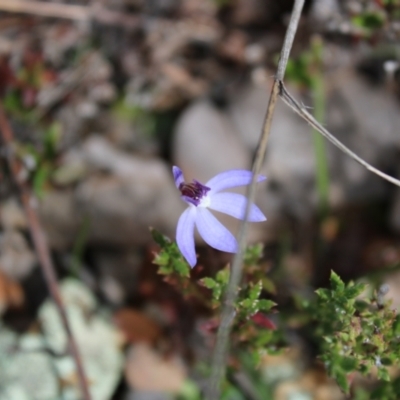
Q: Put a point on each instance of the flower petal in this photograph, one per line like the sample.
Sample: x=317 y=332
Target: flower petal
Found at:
x=213 y=232
x=178 y=176
x=234 y=204
x=230 y=179
x=185 y=235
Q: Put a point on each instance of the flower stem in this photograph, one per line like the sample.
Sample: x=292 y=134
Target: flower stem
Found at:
x=321 y=161
x=40 y=244
x=218 y=367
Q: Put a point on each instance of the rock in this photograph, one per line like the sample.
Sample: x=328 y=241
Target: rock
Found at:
x=161 y=7
x=16 y=258
x=395 y=214
x=373 y=109
x=135 y=195
x=290 y=165
x=118 y=273
x=206 y=143
x=60 y=218
x=247 y=111
x=121 y=205
x=12 y=215
x=97 y=339
x=146 y=370
x=363 y=117
x=255 y=12
x=146 y=395
x=395 y=211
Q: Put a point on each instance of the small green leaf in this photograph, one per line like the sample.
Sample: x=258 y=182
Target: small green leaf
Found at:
x=383 y=374
x=348 y=364
x=336 y=283
x=266 y=305
x=159 y=238
x=209 y=283
x=342 y=381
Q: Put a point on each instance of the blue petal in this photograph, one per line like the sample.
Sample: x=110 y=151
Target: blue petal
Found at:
x=230 y=179
x=178 y=176
x=185 y=235
x=235 y=205
x=213 y=232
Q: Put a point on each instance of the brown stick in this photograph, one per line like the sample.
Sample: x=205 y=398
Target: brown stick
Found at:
x=56 y=10
x=40 y=244
x=68 y=11
x=218 y=368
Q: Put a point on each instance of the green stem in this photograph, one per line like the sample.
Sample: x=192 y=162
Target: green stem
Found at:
x=321 y=161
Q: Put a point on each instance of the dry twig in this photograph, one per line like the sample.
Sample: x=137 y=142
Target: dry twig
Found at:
x=40 y=244
x=68 y=11
x=228 y=311
x=302 y=111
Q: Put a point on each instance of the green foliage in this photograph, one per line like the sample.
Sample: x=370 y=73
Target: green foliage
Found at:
x=386 y=391
x=253 y=254
x=251 y=303
x=39 y=159
x=253 y=331
x=138 y=116
x=355 y=333
x=369 y=20
x=217 y=285
x=169 y=258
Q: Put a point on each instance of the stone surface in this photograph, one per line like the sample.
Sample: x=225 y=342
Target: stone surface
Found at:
x=367 y=127
x=146 y=370
x=247 y=111
x=206 y=143
x=16 y=258
x=123 y=196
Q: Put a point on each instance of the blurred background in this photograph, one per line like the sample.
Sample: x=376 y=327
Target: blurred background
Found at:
x=103 y=97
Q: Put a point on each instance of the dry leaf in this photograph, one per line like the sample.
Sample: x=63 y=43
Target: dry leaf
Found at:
x=146 y=370
x=136 y=327
x=11 y=294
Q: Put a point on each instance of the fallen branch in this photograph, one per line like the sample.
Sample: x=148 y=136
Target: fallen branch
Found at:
x=68 y=11
x=40 y=244
x=228 y=312
x=302 y=111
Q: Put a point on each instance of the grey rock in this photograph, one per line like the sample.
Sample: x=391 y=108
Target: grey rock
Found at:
x=118 y=273
x=122 y=198
x=60 y=218
x=361 y=116
x=395 y=211
x=147 y=395
x=12 y=215
x=395 y=214
x=16 y=258
x=206 y=143
x=290 y=165
x=247 y=111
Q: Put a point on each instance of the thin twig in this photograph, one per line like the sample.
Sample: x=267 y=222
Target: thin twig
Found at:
x=40 y=244
x=42 y=9
x=228 y=312
x=69 y=11
x=301 y=110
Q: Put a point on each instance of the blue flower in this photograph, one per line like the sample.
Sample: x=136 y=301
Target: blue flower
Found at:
x=201 y=197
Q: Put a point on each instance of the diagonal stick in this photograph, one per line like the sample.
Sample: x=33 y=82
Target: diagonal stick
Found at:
x=218 y=367
x=40 y=244
x=289 y=100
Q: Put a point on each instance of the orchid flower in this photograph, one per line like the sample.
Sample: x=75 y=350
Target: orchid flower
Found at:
x=203 y=197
